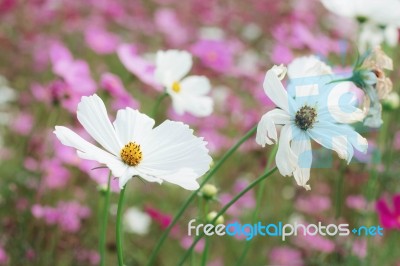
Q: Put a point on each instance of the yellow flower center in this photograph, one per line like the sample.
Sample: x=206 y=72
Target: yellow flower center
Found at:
x=131 y=154
x=176 y=87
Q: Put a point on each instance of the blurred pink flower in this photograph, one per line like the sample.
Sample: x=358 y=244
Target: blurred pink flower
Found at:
x=316 y=242
x=215 y=54
x=55 y=175
x=166 y=19
x=87 y=257
x=389 y=217
x=359 y=248
x=76 y=73
x=100 y=40
x=357 y=202
x=162 y=219
x=246 y=202
x=313 y=204
x=7 y=5
x=67 y=215
x=187 y=241
x=285 y=256
x=281 y=54
x=3 y=256
x=121 y=98
x=22 y=124
x=140 y=67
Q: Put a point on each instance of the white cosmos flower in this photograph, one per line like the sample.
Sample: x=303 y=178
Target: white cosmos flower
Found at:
x=132 y=147
x=188 y=94
x=380 y=19
x=313 y=112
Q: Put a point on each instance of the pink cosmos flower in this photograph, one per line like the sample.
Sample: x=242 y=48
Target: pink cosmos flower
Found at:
x=360 y=248
x=140 y=67
x=55 y=175
x=357 y=202
x=246 y=202
x=22 y=124
x=166 y=19
x=187 y=241
x=3 y=256
x=389 y=217
x=215 y=54
x=285 y=256
x=162 y=219
x=100 y=40
x=313 y=204
x=313 y=242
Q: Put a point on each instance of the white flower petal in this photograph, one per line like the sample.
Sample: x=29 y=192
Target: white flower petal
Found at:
x=308 y=66
x=172 y=65
x=131 y=125
x=266 y=129
x=172 y=148
x=92 y=114
x=199 y=106
x=302 y=148
x=275 y=91
x=195 y=85
x=88 y=151
x=286 y=159
x=185 y=177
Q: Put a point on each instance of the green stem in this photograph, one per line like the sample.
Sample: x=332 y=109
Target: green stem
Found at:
x=194 y=194
x=224 y=209
x=104 y=221
x=120 y=251
x=260 y=193
x=157 y=104
x=206 y=246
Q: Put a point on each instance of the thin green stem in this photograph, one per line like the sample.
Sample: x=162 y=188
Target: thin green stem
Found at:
x=120 y=251
x=104 y=221
x=260 y=193
x=224 y=209
x=206 y=246
x=194 y=194
x=157 y=104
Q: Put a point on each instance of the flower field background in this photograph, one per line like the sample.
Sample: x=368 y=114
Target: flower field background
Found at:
x=52 y=201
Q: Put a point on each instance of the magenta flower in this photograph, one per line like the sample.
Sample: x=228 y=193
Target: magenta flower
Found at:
x=389 y=217
x=100 y=40
x=215 y=54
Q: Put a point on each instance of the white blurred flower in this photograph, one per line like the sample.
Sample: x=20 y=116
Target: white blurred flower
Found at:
x=188 y=94
x=136 y=221
x=132 y=147
x=379 y=19
x=314 y=112
x=7 y=95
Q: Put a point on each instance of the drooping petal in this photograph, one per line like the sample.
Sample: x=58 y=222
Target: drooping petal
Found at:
x=276 y=92
x=286 y=159
x=266 y=129
x=301 y=146
x=185 y=178
x=89 y=151
x=172 y=65
x=131 y=125
x=195 y=85
x=92 y=114
x=170 y=148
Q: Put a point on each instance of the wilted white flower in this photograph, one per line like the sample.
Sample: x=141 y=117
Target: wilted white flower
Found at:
x=132 y=147
x=314 y=112
x=188 y=94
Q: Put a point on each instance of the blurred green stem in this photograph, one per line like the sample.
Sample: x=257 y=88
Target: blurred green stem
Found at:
x=260 y=193
x=103 y=233
x=194 y=194
x=339 y=190
x=207 y=244
x=120 y=251
x=157 y=104
x=224 y=209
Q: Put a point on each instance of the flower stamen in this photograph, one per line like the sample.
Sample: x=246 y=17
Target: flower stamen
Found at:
x=305 y=117
x=131 y=154
x=176 y=87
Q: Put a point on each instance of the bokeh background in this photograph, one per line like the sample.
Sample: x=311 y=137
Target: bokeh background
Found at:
x=50 y=200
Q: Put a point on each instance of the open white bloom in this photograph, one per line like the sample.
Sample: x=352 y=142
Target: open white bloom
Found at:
x=132 y=147
x=379 y=19
x=314 y=110
x=188 y=94
x=136 y=221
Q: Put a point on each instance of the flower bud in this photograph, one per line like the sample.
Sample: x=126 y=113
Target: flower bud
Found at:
x=102 y=189
x=392 y=101
x=210 y=217
x=209 y=191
